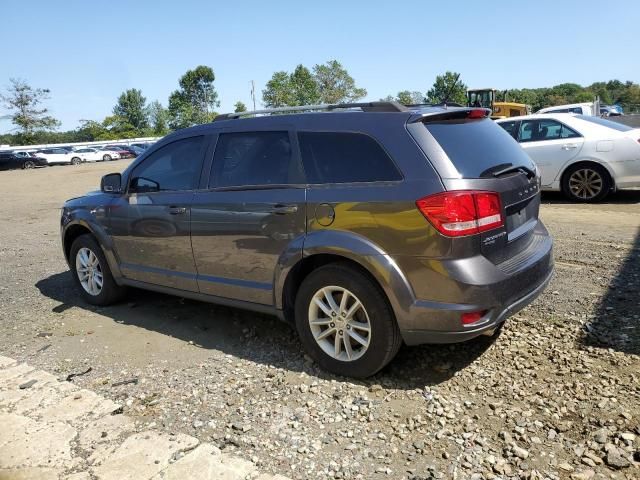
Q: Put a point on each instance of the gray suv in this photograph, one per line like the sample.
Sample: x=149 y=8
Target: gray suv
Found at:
x=365 y=225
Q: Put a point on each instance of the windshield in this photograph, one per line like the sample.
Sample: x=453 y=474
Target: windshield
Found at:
x=481 y=98
x=605 y=123
x=477 y=147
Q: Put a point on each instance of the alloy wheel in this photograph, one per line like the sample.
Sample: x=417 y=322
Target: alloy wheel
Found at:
x=586 y=183
x=28 y=165
x=89 y=271
x=339 y=323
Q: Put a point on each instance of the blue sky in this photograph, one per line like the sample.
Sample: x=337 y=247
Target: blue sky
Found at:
x=88 y=52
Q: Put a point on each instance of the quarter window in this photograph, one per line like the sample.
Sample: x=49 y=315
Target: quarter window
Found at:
x=331 y=157
x=254 y=158
x=175 y=166
x=540 y=130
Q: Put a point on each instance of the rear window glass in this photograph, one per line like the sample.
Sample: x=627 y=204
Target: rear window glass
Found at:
x=475 y=146
x=331 y=157
x=605 y=123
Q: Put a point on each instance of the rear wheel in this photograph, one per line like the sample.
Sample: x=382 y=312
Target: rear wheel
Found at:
x=586 y=183
x=92 y=274
x=76 y=161
x=345 y=322
x=106 y=158
x=28 y=164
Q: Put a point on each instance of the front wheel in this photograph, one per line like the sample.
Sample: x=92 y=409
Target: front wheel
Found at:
x=106 y=158
x=29 y=164
x=345 y=322
x=76 y=161
x=92 y=274
x=586 y=183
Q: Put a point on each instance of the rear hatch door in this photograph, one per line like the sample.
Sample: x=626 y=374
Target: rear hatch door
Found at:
x=480 y=155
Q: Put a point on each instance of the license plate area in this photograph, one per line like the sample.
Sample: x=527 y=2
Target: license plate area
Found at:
x=521 y=216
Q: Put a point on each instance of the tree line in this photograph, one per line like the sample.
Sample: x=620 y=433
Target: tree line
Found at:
x=195 y=102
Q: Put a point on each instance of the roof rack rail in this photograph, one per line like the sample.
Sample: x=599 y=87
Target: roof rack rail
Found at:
x=364 y=106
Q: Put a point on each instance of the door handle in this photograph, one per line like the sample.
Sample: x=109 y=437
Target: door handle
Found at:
x=177 y=210
x=280 y=209
x=569 y=146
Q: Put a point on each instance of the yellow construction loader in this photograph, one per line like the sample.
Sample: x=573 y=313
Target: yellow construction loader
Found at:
x=488 y=98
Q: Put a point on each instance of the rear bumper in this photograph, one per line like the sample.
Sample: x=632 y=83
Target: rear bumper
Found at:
x=489 y=324
x=444 y=290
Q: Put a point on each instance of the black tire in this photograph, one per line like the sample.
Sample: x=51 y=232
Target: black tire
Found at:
x=76 y=161
x=106 y=158
x=385 y=335
x=28 y=164
x=110 y=292
x=575 y=172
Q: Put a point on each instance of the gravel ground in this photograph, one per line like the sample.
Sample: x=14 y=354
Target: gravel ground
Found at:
x=556 y=395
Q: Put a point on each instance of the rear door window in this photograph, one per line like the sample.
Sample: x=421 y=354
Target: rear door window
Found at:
x=345 y=157
x=476 y=146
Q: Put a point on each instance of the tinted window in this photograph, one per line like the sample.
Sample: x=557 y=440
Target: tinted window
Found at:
x=605 y=123
x=540 y=130
x=254 y=158
x=475 y=146
x=345 y=158
x=175 y=166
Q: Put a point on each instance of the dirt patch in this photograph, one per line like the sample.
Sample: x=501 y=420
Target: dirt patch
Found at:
x=556 y=394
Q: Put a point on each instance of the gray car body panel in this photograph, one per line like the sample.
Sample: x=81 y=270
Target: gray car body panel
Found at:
x=232 y=248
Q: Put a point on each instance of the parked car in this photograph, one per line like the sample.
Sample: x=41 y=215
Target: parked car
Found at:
x=610 y=110
x=96 y=155
x=12 y=160
x=363 y=228
x=59 y=156
x=123 y=150
x=585 y=108
x=143 y=146
x=24 y=153
x=583 y=156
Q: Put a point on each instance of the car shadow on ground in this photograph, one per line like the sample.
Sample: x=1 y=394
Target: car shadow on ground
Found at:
x=621 y=197
x=617 y=317
x=259 y=338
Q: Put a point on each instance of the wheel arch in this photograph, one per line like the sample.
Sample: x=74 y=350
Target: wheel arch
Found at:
x=326 y=247
x=81 y=226
x=586 y=162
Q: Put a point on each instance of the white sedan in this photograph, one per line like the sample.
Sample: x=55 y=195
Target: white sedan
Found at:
x=96 y=154
x=585 y=157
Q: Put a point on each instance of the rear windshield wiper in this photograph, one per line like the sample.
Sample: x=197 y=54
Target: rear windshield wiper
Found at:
x=508 y=168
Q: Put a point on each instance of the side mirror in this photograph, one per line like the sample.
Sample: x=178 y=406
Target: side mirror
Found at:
x=111 y=183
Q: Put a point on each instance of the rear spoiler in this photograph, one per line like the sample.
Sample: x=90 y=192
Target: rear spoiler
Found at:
x=451 y=114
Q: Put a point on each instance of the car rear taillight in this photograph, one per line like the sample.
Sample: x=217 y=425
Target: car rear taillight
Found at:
x=460 y=213
x=472 y=317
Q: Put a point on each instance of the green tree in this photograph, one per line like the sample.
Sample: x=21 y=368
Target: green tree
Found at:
x=25 y=103
x=240 y=107
x=194 y=102
x=448 y=87
x=304 y=89
x=335 y=85
x=132 y=106
x=158 y=117
x=278 y=91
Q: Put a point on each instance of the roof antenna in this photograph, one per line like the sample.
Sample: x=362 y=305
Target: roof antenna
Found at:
x=450 y=91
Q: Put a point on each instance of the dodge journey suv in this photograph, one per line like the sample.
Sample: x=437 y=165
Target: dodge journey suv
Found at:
x=365 y=225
